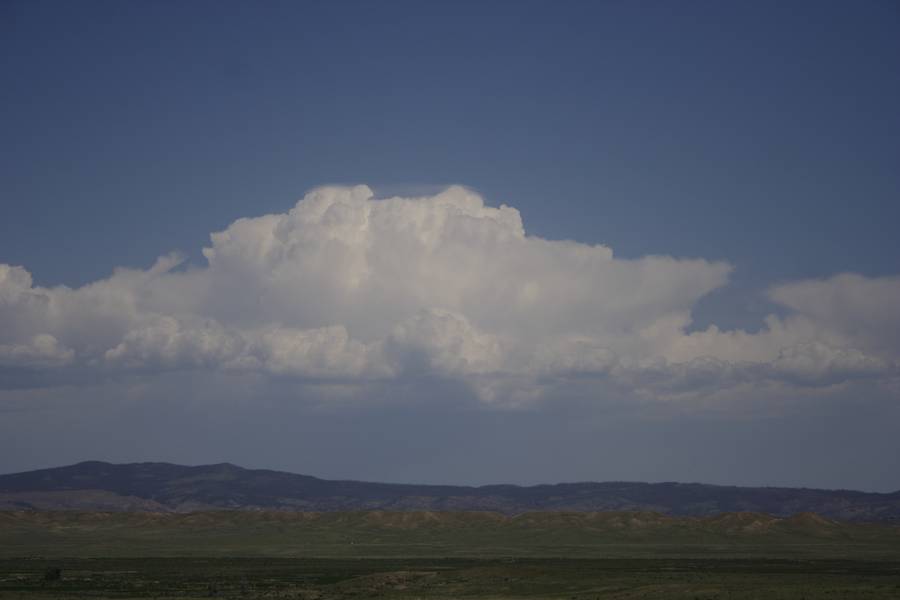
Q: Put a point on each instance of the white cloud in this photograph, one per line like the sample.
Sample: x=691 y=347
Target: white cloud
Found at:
x=816 y=363
x=858 y=311
x=446 y=343
x=326 y=352
x=164 y=342
x=351 y=288
x=42 y=350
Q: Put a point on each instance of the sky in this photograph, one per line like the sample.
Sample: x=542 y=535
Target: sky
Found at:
x=454 y=242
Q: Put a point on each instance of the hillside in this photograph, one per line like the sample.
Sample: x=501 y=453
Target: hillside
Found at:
x=163 y=487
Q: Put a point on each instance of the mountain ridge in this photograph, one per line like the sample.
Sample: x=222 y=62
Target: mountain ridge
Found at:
x=167 y=487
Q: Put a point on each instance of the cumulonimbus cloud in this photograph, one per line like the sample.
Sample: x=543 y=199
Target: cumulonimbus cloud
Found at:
x=348 y=287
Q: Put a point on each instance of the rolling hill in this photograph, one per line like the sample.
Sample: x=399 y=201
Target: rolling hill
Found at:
x=164 y=487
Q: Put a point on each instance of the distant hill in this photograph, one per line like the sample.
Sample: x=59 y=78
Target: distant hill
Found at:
x=163 y=487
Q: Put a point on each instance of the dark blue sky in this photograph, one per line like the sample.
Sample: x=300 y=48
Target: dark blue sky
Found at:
x=763 y=133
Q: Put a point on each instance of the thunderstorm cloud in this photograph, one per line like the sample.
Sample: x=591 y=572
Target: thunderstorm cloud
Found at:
x=350 y=289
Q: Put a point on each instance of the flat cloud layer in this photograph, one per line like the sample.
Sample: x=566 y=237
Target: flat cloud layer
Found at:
x=350 y=289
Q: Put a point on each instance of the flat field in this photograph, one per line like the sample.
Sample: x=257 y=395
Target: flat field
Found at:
x=360 y=556
x=351 y=579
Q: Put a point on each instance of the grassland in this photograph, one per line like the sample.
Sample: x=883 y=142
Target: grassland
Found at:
x=429 y=534
x=375 y=555
x=408 y=579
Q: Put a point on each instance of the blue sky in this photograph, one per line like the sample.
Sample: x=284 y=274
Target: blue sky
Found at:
x=761 y=134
